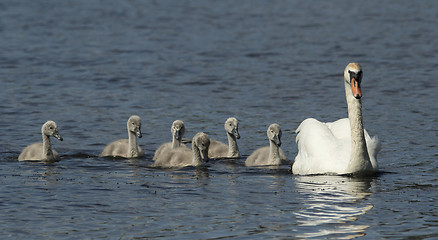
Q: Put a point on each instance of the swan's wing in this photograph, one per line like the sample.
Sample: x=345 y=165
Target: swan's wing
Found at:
x=217 y=149
x=258 y=157
x=32 y=152
x=116 y=148
x=163 y=148
x=178 y=157
x=321 y=147
x=373 y=147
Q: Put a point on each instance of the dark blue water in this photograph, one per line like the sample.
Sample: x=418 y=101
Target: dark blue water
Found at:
x=89 y=65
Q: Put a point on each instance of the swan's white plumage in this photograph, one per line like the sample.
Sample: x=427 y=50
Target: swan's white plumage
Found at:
x=183 y=157
x=177 y=129
x=126 y=148
x=326 y=147
x=42 y=151
x=221 y=150
x=338 y=147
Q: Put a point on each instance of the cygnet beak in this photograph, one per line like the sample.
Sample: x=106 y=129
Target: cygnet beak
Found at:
x=58 y=136
x=138 y=132
x=236 y=134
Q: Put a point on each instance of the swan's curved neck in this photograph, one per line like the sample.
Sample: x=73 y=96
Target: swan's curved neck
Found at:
x=359 y=159
x=47 y=149
x=233 y=150
x=274 y=154
x=132 y=142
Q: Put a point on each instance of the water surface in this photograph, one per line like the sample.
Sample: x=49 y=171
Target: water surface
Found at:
x=89 y=65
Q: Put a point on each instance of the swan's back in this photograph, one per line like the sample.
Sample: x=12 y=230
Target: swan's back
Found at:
x=217 y=149
x=258 y=157
x=34 y=152
x=119 y=148
x=326 y=147
x=163 y=148
x=178 y=157
x=261 y=157
x=116 y=148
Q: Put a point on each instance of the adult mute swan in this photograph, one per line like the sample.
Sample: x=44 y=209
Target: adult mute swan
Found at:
x=42 y=151
x=272 y=155
x=177 y=129
x=127 y=148
x=341 y=147
x=182 y=157
x=221 y=150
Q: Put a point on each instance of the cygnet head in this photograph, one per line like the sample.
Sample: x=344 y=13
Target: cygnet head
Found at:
x=134 y=125
x=51 y=129
x=178 y=129
x=232 y=127
x=202 y=142
x=274 y=134
x=353 y=77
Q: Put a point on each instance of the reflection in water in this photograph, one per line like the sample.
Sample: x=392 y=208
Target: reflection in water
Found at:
x=332 y=205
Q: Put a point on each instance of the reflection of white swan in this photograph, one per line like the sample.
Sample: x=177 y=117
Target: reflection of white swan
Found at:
x=341 y=147
x=331 y=205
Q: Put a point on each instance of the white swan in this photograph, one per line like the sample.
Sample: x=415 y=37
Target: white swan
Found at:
x=178 y=129
x=42 y=151
x=127 y=148
x=182 y=157
x=272 y=155
x=221 y=150
x=341 y=147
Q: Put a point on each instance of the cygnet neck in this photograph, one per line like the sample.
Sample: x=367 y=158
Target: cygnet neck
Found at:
x=132 y=142
x=274 y=153
x=197 y=159
x=233 y=149
x=175 y=142
x=47 y=150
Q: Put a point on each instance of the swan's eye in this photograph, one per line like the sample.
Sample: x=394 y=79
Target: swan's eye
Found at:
x=356 y=76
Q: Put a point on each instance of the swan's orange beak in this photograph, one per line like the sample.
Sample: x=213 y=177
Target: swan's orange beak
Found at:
x=355 y=87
